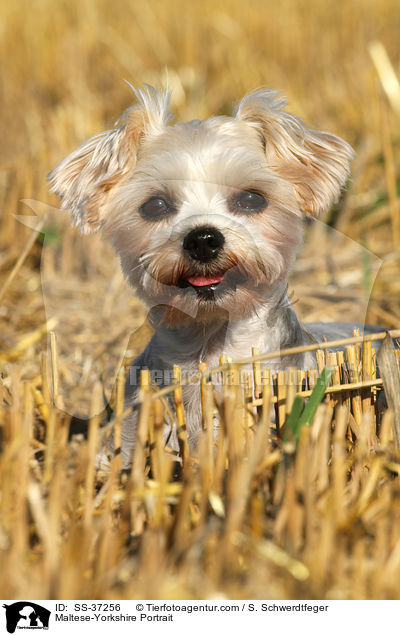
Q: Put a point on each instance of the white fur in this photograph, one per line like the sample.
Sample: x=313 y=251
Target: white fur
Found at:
x=200 y=167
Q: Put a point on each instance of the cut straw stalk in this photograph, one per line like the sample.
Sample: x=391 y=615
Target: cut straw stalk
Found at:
x=389 y=368
x=240 y=480
x=367 y=370
x=232 y=419
x=266 y=396
x=20 y=469
x=119 y=409
x=352 y=365
x=139 y=455
x=180 y=415
x=50 y=442
x=248 y=413
x=54 y=367
x=203 y=367
x=93 y=438
x=375 y=470
x=281 y=389
x=257 y=373
x=137 y=477
x=161 y=466
x=207 y=411
x=339 y=467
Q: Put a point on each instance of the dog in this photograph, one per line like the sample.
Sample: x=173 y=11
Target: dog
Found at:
x=206 y=217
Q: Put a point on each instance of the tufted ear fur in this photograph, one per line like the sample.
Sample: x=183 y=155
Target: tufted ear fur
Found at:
x=316 y=163
x=85 y=179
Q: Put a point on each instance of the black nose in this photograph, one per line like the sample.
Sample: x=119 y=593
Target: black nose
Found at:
x=203 y=243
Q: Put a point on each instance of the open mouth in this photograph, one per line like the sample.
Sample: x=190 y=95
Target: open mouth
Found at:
x=205 y=283
x=208 y=286
x=204 y=286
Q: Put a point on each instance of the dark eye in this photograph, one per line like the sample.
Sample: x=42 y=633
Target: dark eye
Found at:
x=155 y=208
x=248 y=201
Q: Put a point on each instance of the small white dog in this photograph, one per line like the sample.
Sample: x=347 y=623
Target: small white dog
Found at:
x=206 y=217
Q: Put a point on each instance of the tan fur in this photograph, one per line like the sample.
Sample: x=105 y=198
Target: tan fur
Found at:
x=316 y=163
x=85 y=179
x=199 y=166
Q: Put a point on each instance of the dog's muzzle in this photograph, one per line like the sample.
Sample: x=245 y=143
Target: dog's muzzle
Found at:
x=203 y=244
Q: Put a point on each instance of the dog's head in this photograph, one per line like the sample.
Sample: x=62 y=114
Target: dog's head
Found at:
x=205 y=215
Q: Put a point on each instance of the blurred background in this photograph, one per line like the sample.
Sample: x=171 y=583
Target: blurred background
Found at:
x=63 y=67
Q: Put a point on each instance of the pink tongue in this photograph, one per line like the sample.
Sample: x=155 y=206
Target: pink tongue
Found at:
x=202 y=281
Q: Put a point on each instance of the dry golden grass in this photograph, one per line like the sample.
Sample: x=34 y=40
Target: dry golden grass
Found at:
x=260 y=520
x=302 y=513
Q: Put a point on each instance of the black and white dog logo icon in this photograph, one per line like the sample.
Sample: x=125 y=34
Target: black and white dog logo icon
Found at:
x=26 y=615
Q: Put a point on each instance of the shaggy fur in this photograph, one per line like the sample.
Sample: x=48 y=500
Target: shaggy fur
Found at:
x=199 y=172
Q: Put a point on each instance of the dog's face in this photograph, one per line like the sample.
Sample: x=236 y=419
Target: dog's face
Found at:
x=205 y=215
x=201 y=224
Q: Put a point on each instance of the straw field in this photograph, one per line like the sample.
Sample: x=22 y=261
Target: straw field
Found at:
x=306 y=506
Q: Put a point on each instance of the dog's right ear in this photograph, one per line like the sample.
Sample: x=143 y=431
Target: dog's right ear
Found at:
x=316 y=163
x=85 y=179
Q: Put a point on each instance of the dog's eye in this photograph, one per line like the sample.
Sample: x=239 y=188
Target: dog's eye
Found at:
x=248 y=201
x=155 y=208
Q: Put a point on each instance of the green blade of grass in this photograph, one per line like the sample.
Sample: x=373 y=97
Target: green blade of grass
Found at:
x=293 y=418
x=316 y=397
x=298 y=416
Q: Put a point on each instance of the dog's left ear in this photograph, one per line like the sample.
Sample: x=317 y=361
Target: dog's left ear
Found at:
x=85 y=179
x=316 y=163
